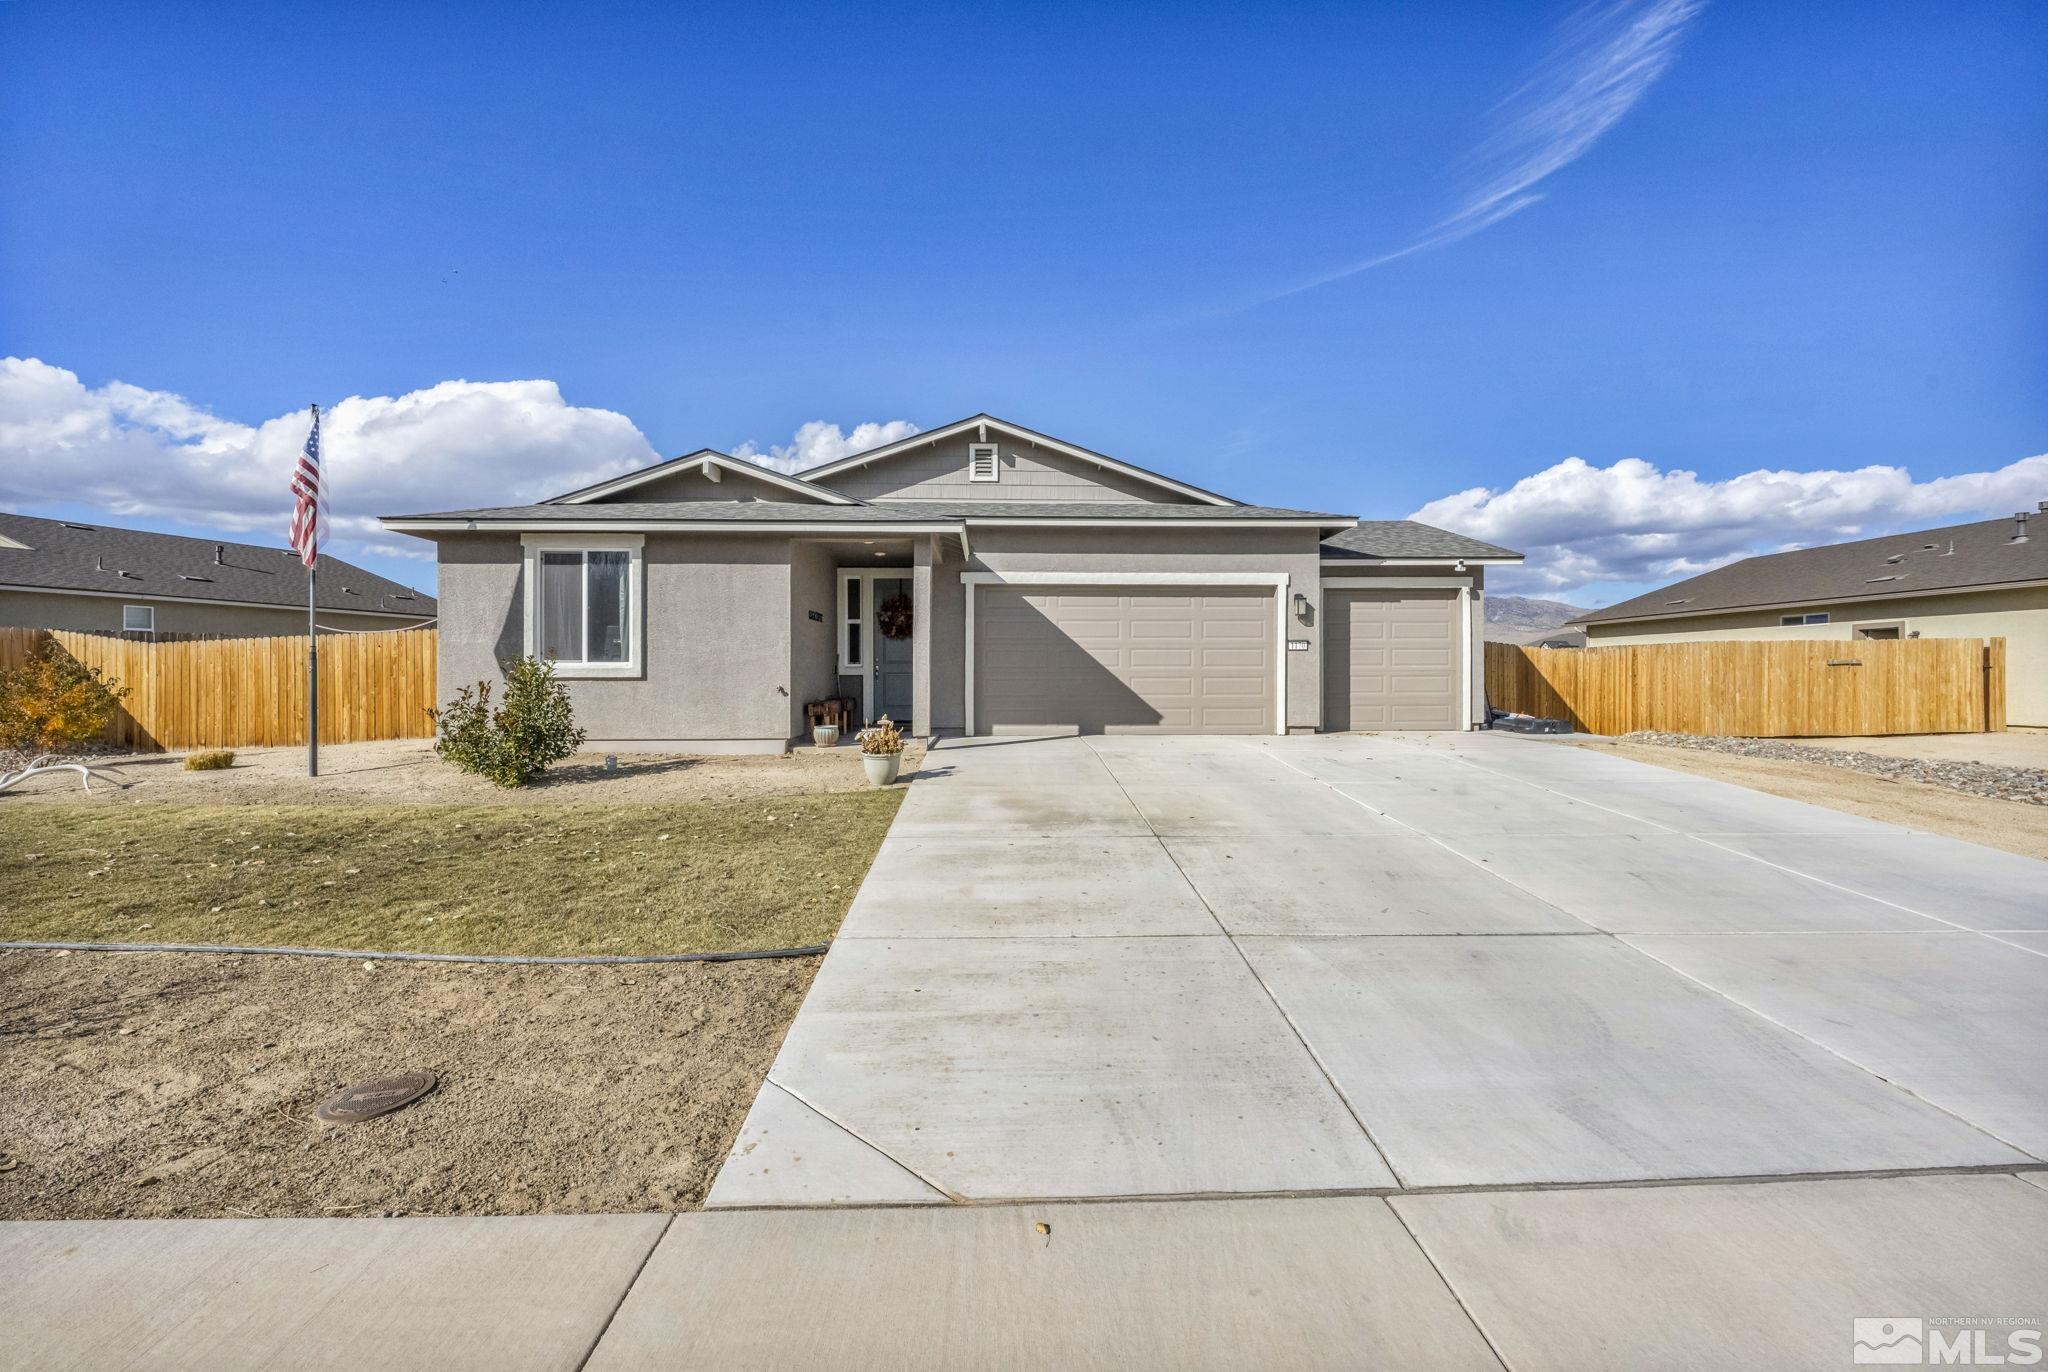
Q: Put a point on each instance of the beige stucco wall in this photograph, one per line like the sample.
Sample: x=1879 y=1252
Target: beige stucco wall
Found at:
x=2019 y=616
x=91 y=613
x=1026 y=472
x=1014 y=552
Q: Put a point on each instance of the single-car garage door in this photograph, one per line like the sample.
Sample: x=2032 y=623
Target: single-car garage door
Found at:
x=1109 y=659
x=1391 y=660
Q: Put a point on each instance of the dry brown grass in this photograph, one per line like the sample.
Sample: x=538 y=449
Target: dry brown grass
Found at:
x=772 y=872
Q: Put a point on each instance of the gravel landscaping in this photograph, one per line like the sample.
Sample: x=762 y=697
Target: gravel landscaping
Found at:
x=2028 y=785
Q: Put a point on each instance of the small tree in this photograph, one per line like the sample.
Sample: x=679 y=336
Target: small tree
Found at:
x=53 y=702
x=517 y=741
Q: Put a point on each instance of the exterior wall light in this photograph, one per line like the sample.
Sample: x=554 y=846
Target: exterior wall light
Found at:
x=1300 y=605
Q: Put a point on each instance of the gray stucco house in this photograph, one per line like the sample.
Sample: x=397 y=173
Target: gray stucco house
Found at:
x=980 y=578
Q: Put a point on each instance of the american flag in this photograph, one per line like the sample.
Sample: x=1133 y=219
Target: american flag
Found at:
x=309 y=514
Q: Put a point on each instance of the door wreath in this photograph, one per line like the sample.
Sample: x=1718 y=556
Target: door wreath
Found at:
x=893 y=617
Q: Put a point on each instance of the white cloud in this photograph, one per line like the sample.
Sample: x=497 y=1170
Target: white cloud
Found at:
x=1604 y=60
x=1634 y=522
x=817 y=443
x=131 y=451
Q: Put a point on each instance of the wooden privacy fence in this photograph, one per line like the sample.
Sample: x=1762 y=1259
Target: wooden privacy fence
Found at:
x=1759 y=689
x=251 y=692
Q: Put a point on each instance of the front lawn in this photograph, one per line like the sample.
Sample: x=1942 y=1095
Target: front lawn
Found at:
x=775 y=872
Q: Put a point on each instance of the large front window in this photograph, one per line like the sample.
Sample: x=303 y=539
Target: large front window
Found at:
x=583 y=604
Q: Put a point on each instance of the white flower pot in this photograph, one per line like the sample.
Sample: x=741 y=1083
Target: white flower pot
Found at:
x=881 y=767
x=825 y=735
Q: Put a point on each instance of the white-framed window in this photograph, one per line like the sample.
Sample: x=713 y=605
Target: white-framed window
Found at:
x=981 y=462
x=138 y=619
x=853 y=597
x=1820 y=618
x=584 y=599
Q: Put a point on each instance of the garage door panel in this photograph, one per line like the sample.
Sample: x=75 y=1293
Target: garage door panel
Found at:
x=1134 y=660
x=1391 y=659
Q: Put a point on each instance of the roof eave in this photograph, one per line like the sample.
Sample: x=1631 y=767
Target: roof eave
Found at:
x=700 y=459
x=944 y=431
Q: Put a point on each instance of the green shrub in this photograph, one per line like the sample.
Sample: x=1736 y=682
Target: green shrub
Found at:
x=212 y=760
x=53 y=702
x=515 y=742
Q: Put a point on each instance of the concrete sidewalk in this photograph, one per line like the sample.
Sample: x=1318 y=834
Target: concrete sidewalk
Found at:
x=1761 y=1274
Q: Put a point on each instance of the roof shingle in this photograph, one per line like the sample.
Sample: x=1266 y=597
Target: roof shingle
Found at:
x=1383 y=538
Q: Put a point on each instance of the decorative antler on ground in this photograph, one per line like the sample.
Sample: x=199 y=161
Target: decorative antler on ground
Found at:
x=49 y=763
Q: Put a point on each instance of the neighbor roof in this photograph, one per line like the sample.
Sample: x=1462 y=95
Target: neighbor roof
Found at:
x=1957 y=557
x=1402 y=539
x=919 y=512
x=72 y=555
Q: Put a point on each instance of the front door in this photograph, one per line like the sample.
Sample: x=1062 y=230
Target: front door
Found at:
x=892 y=649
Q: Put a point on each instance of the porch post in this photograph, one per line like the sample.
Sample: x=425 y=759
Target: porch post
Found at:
x=921 y=635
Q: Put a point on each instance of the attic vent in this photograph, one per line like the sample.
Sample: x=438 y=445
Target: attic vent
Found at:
x=86 y=527
x=1873 y=580
x=348 y=590
x=981 y=462
x=1686 y=601
x=187 y=576
x=1895 y=559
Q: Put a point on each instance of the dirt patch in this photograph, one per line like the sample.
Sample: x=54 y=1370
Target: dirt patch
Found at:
x=151 y=1085
x=407 y=771
x=2010 y=825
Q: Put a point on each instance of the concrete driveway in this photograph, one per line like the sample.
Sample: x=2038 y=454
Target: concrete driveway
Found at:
x=1138 y=967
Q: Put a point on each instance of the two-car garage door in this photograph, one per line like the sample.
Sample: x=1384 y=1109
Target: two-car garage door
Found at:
x=1110 y=659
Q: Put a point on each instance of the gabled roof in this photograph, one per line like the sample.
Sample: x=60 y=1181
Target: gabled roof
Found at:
x=1403 y=540
x=1957 y=557
x=909 y=514
x=989 y=421
x=71 y=555
x=704 y=459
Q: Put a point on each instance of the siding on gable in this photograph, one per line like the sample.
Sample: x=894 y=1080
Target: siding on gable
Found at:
x=1028 y=472
x=695 y=486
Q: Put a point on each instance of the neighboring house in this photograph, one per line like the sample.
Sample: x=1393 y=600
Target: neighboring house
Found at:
x=67 y=574
x=1966 y=581
x=980 y=578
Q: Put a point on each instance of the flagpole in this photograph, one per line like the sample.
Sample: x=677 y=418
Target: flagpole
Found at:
x=313 y=649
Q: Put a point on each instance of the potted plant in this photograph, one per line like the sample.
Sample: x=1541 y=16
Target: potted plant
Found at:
x=825 y=735
x=881 y=752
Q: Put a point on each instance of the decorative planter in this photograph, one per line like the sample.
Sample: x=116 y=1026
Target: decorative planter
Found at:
x=881 y=767
x=826 y=735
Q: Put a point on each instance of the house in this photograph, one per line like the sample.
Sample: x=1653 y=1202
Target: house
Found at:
x=978 y=578
x=1964 y=581
x=67 y=574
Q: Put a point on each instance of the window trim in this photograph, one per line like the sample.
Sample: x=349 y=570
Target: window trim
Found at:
x=1800 y=621
x=149 y=610
x=864 y=578
x=992 y=453
x=533 y=545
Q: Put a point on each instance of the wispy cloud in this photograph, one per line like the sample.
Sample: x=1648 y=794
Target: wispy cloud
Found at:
x=1604 y=60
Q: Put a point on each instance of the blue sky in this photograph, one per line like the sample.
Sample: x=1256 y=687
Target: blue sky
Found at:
x=1815 y=242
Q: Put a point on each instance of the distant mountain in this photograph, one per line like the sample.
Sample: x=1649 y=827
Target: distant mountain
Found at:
x=1525 y=619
